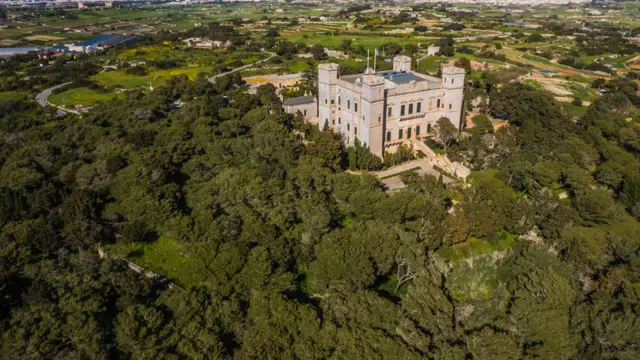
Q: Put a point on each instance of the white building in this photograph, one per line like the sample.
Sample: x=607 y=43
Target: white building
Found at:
x=334 y=53
x=386 y=109
x=433 y=50
x=206 y=43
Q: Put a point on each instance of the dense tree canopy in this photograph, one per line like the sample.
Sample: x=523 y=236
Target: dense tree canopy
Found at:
x=278 y=253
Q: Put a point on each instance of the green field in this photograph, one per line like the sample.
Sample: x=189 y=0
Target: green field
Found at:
x=82 y=96
x=13 y=95
x=581 y=92
x=300 y=66
x=184 y=56
x=157 y=78
x=369 y=42
x=533 y=83
x=475 y=247
x=166 y=257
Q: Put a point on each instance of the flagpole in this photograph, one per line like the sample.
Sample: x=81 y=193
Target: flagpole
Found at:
x=375 y=56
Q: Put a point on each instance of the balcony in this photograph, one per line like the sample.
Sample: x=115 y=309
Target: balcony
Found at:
x=412 y=117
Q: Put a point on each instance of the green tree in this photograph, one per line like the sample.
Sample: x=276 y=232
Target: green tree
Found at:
x=446 y=132
x=318 y=52
x=482 y=124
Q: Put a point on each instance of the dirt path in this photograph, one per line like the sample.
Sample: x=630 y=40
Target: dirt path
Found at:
x=213 y=78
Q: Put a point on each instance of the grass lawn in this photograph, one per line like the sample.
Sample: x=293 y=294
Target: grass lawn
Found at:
x=157 y=78
x=475 y=246
x=300 y=66
x=82 y=96
x=166 y=257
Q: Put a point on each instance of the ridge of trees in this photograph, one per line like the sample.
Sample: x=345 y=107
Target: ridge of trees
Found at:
x=284 y=255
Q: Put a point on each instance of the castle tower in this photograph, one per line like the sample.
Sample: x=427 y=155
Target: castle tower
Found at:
x=453 y=85
x=372 y=121
x=401 y=63
x=327 y=78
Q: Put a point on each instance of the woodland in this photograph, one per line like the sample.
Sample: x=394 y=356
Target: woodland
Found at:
x=282 y=254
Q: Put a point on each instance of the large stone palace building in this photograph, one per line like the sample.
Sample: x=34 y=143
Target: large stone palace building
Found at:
x=385 y=109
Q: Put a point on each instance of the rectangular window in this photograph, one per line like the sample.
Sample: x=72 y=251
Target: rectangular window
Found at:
x=402 y=110
x=349 y=104
x=339 y=101
x=339 y=120
x=355 y=107
x=418 y=107
x=379 y=118
x=333 y=121
x=418 y=130
x=410 y=109
x=438 y=103
x=355 y=130
x=400 y=134
x=409 y=133
x=332 y=101
x=388 y=135
x=389 y=111
x=450 y=105
x=428 y=128
x=305 y=113
x=348 y=126
x=325 y=101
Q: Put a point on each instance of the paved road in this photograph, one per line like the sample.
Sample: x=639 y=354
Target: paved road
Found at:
x=108 y=67
x=213 y=78
x=42 y=97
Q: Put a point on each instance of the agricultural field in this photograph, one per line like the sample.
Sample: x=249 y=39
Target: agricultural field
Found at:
x=183 y=55
x=119 y=79
x=43 y=38
x=370 y=42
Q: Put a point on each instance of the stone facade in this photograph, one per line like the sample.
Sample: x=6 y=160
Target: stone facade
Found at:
x=307 y=106
x=279 y=81
x=385 y=109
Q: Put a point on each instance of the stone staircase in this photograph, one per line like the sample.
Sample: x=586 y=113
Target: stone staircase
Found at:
x=442 y=161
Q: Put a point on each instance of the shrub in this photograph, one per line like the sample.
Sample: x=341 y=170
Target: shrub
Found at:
x=577 y=102
x=136 y=70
